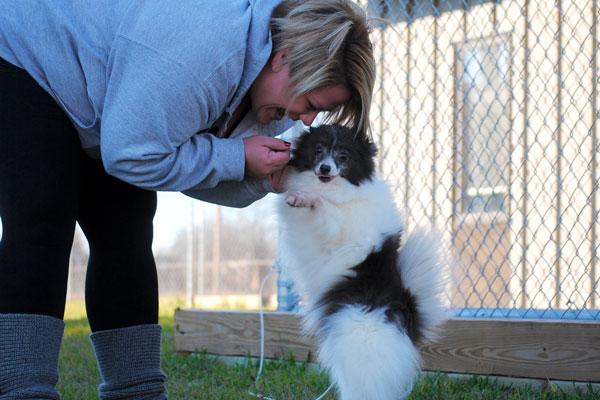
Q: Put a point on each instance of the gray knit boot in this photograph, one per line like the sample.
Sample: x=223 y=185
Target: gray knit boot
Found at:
x=129 y=362
x=29 y=348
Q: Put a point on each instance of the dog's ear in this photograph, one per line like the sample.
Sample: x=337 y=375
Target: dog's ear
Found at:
x=296 y=142
x=298 y=138
x=304 y=131
x=373 y=149
x=366 y=141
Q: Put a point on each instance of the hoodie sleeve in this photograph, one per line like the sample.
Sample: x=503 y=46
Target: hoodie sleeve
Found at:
x=233 y=194
x=154 y=108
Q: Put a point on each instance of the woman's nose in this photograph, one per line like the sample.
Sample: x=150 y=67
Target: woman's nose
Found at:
x=308 y=118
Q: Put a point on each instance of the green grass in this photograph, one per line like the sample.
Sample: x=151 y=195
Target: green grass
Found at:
x=202 y=377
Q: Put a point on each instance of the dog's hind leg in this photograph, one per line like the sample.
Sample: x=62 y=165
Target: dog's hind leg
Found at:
x=367 y=357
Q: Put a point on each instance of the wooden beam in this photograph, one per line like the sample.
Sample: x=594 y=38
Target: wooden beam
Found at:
x=564 y=350
x=237 y=333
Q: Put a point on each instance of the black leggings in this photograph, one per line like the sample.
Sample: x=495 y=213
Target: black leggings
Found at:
x=46 y=184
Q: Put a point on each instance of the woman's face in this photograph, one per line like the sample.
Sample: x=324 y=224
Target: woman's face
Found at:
x=271 y=94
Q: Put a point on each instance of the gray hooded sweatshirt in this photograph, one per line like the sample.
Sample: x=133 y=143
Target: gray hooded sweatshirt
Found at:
x=143 y=80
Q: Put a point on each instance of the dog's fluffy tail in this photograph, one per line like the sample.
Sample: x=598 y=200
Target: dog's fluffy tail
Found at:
x=367 y=357
x=424 y=271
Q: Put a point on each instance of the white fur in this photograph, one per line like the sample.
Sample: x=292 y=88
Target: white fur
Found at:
x=325 y=230
x=424 y=268
x=368 y=358
x=319 y=244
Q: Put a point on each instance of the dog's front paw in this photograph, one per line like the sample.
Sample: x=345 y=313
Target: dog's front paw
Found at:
x=299 y=199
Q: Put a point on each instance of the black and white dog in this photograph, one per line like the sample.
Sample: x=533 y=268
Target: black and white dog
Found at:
x=369 y=292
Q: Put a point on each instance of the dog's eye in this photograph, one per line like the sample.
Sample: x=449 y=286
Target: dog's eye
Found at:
x=318 y=150
x=342 y=157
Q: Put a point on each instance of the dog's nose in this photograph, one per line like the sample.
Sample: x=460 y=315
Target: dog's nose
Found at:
x=325 y=169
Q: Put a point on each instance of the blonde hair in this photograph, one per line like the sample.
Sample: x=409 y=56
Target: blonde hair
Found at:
x=328 y=44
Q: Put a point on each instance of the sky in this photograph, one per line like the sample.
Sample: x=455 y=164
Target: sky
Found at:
x=175 y=210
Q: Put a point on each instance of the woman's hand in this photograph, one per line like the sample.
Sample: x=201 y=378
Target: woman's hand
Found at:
x=266 y=156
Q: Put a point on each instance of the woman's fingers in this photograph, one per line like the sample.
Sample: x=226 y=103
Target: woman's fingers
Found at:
x=265 y=155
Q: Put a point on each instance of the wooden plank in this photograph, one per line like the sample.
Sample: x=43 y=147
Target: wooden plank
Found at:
x=563 y=350
x=237 y=333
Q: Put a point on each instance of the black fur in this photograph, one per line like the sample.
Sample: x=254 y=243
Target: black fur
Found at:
x=336 y=138
x=378 y=284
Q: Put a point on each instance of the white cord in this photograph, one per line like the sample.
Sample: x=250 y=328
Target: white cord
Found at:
x=262 y=346
x=325 y=392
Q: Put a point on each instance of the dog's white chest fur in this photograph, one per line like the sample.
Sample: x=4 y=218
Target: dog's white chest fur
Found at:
x=331 y=227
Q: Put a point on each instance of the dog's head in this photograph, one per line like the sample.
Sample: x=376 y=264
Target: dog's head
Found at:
x=333 y=151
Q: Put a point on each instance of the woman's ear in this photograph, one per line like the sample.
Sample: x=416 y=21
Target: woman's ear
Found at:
x=279 y=60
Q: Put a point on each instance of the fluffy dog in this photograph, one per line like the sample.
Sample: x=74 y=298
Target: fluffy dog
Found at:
x=369 y=293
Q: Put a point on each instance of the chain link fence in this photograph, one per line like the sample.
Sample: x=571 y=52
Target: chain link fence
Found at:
x=207 y=256
x=486 y=117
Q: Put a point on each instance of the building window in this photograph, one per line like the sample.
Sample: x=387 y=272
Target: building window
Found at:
x=484 y=123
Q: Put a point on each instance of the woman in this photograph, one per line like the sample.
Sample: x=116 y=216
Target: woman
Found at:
x=104 y=103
